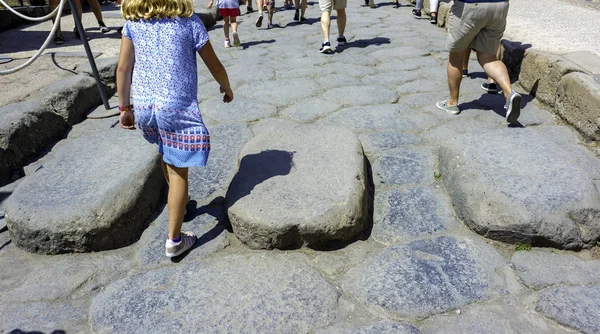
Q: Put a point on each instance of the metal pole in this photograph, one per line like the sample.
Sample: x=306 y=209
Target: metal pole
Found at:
x=88 y=51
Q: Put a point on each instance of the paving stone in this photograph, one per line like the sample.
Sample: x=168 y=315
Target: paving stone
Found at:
x=339 y=80
x=404 y=214
x=248 y=74
x=361 y=95
x=399 y=53
x=576 y=307
x=425 y=277
x=497 y=318
x=392 y=79
x=315 y=174
x=240 y=109
x=207 y=222
x=113 y=207
x=410 y=165
x=381 y=327
x=254 y=292
x=26 y=128
x=226 y=143
x=334 y=263
x=309 y=110
x=71 y=97
x=418 y=86
x=355 y=58
x=107 y=69
x=42 y=317
x=552 y=199
x=336 y=68
x=268 y=125
x=379 y=141
x=371 y=118
x=541 y=269
x=270 y=91
x=309 y=71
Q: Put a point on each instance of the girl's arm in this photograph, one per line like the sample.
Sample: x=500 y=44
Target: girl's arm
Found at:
x=210 y=4
x=124 y=72
x=217 y=70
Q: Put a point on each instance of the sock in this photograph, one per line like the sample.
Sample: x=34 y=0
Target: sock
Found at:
x=178 y=240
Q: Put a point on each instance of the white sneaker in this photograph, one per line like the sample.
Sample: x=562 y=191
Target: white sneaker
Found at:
x=372 y=3
x=227 y=43
x=259 y=20
x=236 y=39
x=172 y=249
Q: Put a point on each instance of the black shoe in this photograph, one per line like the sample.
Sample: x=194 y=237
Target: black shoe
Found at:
x=297 y=15
x=76 y=32
x=303 y=19
x=249 y=10
x=103 y=28
x=326 y=48
x=465 y=73
x=491 y=88
x=341 y=40
x=395 y=5
x=59 y=39
x=416 y=13
x=433 y=20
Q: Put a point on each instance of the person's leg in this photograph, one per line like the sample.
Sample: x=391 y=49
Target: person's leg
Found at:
x=233 y=21
x=325 y=25
x=58 y=38
x=303 y=10
x=496 y=70
x=341 y=21
x=259 y=19
x=234 y=26
x=455 y=61
x=226 y=27
x=95 y=5
x=270 y=10
x=177 y=199
x=165 y=170
x=465 y=66
x=433 y=7
x=419 y=4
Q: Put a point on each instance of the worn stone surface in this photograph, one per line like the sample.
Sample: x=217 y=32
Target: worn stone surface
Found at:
x=71 y=97
x=505 y=318
x=270 y=92
x=336 y=262
x=264 y=292
x=380 y=141
x=404 y=214
x=382 y=327
x=107 y=69
x=577 y=100
x=113 y=205
x=316 y=175
x=539 y=269
x=241 y=109
x=425 y=277
x=587 y=60
x=361 y=95
x=371 y=118
x=310 y=110
x=227 y=141
x=409 y=165
x=42 y=317
x=26 y=128
x=551 y=195
x=576 y=307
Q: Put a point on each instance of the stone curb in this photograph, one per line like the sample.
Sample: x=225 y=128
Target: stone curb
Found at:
x=569 y=85
x=30 y=126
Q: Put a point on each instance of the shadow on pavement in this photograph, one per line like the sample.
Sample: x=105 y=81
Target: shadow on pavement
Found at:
x=495 y=102
x=309 y=21
x=253 y=43
x=363 y=43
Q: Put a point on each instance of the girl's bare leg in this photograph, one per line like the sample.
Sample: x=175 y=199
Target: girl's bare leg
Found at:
x=226 y=27
x=96 y=9
x=177 y=199
x=165 y=170
x=234 y=24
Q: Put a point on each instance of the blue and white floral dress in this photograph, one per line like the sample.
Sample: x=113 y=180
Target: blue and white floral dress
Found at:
x=165 y=85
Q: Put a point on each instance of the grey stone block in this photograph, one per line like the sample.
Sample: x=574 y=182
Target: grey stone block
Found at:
x=577 y=307
x=26 y=128
x=107 y=69
x=425 y=277
x=71 y=97
x=405 y=166
x=310 y=110
x=523 y=186
x=587 y=60
x=43 y=317
x=577 y=101
x=539 y=269
x=392 y=79
x=271 y=92
x=541 y=72
x=338 y=80
x=304 y=186
x=227 y=141
x=115 y=196
x=404 y=214
x=258 y=292
x=380 y=141
x=385 y=117
x=361 y=95
x=418 y=86
x=399 y=52
x=381 y=327
x=335 y=262
x=239 y=110
x=504 y=318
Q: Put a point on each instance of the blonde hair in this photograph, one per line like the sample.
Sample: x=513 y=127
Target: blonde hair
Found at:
x=156 y=9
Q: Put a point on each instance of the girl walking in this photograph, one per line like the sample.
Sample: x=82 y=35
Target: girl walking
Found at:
x=162 y=37
x=229 y=10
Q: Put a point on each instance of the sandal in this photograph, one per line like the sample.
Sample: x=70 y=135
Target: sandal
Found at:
x=59 y=39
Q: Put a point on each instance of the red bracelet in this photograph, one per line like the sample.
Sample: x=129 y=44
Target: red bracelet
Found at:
x=126 y=108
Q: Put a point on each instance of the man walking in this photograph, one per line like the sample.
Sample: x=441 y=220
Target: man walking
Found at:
x=340 y=8
x=478 y=25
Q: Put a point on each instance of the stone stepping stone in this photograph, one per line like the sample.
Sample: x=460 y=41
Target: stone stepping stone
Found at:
x=68 y=317
x=576 y=307
x=310 y=110
x=241 y=109
x=392 y=79
x=299 y=186
x=399 y=53
x=226 y=142
x=380 y=141
x=381 y=327
x=88 y=197
x=259 y=292
x=271 y=92
x=425 y=277
x=523 y=186
x=502 y=318
x=405 y=166
x=539 y=269
x=404 y=214
x=361 y=95
x=385 y=117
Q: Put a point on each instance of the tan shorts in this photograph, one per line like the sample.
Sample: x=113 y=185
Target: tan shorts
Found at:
x=328 y=5
x=477 y=26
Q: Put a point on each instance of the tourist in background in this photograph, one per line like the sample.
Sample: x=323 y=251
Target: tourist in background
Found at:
x=229 y=10
x=94 y=4
x=326 y=7
x=433 y=8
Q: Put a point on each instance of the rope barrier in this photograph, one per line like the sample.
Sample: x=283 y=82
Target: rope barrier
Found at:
x=38 y=19
x=50 y=37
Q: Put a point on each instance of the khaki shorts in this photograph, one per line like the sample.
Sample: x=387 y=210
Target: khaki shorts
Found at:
x=477 y=26
x=328 y=5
